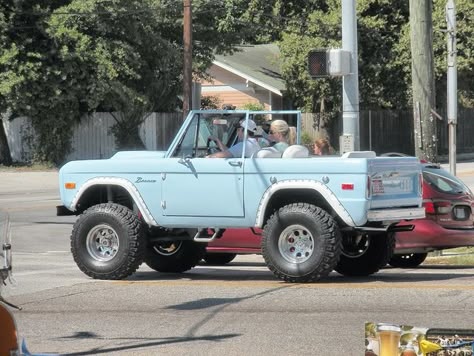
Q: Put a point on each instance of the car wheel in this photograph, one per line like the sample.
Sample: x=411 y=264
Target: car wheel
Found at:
x=409 y=260
x=301 y=243
x=174 y=257
x=107 y=242
x=365 y=254
x=219 y=258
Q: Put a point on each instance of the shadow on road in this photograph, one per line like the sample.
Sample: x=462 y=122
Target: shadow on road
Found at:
x=232 y=273
x=158 y=342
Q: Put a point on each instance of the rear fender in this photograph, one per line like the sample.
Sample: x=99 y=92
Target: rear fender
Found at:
x=319 y=187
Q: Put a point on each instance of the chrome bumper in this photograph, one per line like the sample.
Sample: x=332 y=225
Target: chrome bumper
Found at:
x=395 y=214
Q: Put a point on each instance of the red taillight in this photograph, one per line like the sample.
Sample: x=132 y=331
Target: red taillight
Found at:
x=443 y=207
x=429 y=208
x=437 y=208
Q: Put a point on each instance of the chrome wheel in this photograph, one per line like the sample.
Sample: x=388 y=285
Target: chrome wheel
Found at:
x=102 y=243
x=296 y=244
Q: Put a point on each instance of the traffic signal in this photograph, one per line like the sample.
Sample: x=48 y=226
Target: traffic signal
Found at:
x=318 y=64
x=324 y=63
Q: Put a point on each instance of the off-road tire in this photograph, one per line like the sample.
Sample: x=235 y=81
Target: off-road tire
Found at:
x=310 y=232
x=370 y=259
x=116 y=224
x=175 y=257
x=219 y=259
x=409 y=260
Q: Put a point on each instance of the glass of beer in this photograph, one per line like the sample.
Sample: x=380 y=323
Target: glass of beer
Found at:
x=389 y=339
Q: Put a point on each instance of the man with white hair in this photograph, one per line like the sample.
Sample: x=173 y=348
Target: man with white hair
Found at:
x=251 y=145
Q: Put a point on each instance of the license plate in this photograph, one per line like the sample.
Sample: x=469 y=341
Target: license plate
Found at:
x=399 y=185
x=377 y=187
x=460 y=213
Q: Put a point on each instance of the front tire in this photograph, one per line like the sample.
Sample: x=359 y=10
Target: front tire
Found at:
x=301 y=243
x=365 y=254
x=107 y=242
x=409 y=260
x=174 y=257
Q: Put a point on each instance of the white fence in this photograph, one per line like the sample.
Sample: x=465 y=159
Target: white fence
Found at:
x=92 y=137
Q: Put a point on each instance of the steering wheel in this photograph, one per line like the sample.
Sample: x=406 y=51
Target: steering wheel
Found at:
x=210 y=150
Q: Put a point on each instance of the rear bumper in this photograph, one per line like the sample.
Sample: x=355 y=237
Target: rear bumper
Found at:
x=428 y=236
x=395 y=214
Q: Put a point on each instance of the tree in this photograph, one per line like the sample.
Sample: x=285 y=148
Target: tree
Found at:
x=74 y=57
x=384 y=48
x=465 y=51
x=27 y=60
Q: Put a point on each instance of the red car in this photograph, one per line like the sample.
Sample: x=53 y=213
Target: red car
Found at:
x=449 y=223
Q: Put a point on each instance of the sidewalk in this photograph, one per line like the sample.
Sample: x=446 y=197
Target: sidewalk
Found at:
x=463 y=169
x=24 y=182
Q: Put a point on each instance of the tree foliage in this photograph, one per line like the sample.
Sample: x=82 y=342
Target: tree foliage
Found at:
x=62 y=59
x=383 y=46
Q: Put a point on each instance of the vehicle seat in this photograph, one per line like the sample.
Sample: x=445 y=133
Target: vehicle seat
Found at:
x=267 y=152
x=359 y=154
x=295 y=151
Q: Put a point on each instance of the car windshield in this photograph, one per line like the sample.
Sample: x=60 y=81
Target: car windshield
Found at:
x=222 y=126
x=444 y=182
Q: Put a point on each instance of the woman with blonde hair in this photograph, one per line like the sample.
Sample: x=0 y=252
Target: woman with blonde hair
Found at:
x=321 y=147
x=282 y=134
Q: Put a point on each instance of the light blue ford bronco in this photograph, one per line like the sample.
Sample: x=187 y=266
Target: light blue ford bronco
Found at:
x=317 y=213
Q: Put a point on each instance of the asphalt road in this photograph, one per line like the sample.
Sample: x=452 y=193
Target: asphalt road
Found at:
x=240 y=309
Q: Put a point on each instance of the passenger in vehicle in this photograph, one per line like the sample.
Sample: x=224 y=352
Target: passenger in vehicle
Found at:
x=282 y=134
x=251 y=145
x=321 y=147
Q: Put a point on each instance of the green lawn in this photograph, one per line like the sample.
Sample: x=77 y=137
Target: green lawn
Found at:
x=455 y=256
x=456 y=260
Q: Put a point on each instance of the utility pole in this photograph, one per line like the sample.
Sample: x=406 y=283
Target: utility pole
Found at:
x=423 y=79
x=350 y=82
x=452 y=84
x=188 y=57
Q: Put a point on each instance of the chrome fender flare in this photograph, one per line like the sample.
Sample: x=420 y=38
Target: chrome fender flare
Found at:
x=122 y=182
x=302 y=184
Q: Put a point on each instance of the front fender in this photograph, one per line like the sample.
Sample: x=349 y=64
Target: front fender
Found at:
x=321 y=188
x=122 y=182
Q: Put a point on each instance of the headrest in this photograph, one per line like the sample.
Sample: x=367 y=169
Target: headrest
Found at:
x=295 y=151
x=268 y=152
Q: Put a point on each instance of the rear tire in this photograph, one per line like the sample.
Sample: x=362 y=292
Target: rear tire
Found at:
x=107 y=242
x=301 y=243
x=174 y=257
x=364 y=254
x=409 y=260
x=219 y=258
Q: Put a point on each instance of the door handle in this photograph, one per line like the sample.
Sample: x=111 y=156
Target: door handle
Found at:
x=235 y=163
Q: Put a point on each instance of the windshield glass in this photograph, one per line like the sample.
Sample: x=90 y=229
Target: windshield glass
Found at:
x=194 y=141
